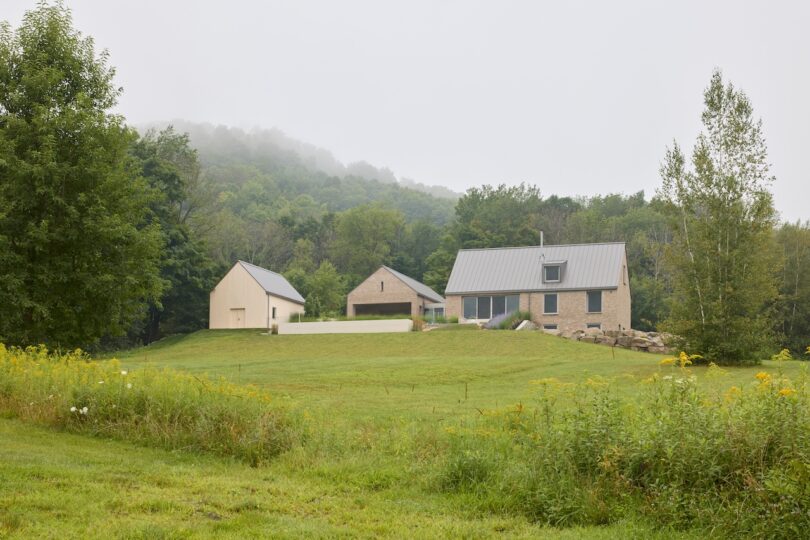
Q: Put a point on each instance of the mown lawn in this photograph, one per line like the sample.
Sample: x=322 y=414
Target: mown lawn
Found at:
x=438 y=376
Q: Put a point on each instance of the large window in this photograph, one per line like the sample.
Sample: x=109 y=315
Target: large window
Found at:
x=594 y=301
x=470 y=307
x=552 y=273
x=550 y=304
x=487 y=307
x=484 y=305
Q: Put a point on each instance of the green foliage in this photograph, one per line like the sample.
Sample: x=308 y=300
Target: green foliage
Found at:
x=677 y=455
x=78 y=260
x=363 y=239
x=171 y=168
x=326 y=291
x=153 y=407
x=793 y=240
x=514 y=320
x=722 y=259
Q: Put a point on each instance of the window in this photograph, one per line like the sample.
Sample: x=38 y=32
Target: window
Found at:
x=498 y=305
x=274 y=312
x=593 y=325
x=594 y=301
x=550 y=304
x=470 y=307
x=549 y=327
x=484 y=304
x=551 y=273
x=512 y=303
x=382 y=286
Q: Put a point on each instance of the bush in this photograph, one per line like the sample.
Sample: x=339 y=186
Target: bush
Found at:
x=509 y=321
x=737 y=461
x=148 y=406
x=418 y=324
x=453 y=319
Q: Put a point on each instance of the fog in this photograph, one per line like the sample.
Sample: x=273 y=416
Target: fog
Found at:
x=578 y=98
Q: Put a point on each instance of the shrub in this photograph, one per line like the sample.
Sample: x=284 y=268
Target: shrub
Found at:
x=737 y=461
x=454 y=320
x=509 y=321
x=418 y=324
x=148 y=406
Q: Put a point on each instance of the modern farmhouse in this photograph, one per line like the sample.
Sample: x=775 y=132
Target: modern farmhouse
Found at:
x=250 y=296
x=565 y=288
x=388 y=292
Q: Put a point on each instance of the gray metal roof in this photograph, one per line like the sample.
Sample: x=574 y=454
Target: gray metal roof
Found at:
x=420 y=288
x=587 y=266
x=273 y=283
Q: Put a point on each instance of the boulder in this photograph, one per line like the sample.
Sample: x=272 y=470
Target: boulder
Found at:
x=624 y=341
x=552 y=332
x=613 y=333
x=576 y=335
x=588 y=339
x=641 y=343
x=606 y=340
x=593 y=332
x=526 y=325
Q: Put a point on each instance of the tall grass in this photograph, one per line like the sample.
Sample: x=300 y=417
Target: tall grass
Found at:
x=734 y=462
x=148 y=406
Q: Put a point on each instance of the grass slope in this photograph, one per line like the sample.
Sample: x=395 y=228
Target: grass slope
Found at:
x=57 y=485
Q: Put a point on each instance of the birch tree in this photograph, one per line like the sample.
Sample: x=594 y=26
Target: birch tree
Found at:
x=724 y=265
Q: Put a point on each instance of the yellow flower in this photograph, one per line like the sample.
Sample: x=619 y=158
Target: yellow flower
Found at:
x=733 y=393
x=667 y=361
x=787 y=392
x=762 y=376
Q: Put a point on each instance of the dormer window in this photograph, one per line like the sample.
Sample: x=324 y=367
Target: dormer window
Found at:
x=551 y=273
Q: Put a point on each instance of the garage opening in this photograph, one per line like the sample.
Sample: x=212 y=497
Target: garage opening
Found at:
x=401 y=308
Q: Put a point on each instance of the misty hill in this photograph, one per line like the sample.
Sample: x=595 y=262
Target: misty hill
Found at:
x=272 y=151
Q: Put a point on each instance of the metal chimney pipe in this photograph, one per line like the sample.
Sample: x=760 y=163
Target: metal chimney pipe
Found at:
x=541 y=238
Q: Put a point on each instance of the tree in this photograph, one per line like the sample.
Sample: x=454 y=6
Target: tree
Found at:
x=326 y=291
x=794 y=242
x=364 y=238
x=76 y=261
x=171 y=168
x=722 y=259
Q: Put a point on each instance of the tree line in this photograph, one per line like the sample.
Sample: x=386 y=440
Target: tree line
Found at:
x=111 y=237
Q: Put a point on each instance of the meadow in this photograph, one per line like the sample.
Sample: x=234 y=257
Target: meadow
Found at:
x=427 y=434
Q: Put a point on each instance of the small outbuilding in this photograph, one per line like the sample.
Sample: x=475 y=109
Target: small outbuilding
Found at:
x=250 y=296
x=388 y=292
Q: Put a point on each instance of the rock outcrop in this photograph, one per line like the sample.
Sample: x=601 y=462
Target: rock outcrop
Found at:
x=635 y=340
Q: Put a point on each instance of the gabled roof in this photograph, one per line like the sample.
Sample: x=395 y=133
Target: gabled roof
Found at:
x=273 y=283
x=420 y=288
x=587 y=266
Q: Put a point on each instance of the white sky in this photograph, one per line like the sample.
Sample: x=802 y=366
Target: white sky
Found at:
x=576 y=97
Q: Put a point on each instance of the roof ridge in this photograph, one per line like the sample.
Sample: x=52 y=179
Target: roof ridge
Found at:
x=546 y=246
x=261 y=268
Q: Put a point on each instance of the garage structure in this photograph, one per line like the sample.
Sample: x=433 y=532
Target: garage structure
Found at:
x=388 y=292
x=250 y=296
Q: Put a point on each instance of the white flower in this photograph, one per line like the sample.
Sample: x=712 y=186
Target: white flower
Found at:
x=129 y=385
x=667 y=377
x=84 y=410
x=123 y=372
x=73 y=409
x=100 y=382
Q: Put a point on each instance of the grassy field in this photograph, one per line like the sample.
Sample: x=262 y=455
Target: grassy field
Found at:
x=378 y=409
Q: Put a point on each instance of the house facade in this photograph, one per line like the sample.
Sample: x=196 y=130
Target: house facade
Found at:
x=565 y=288
x=388 y=292
x=250 y=296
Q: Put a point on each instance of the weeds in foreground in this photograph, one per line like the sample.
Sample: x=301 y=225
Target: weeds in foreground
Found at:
x=736 y=462
x=153 y=407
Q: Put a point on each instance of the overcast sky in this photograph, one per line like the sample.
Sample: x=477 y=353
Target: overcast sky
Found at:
x=576 y=97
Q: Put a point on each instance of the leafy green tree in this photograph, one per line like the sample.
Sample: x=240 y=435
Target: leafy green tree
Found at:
x=326 y=291
x=794 y=242
x=722 y=259
x=76 y=261
x=364 y=238
x=171 y=168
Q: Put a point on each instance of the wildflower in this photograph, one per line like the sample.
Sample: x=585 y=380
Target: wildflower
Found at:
x=129 y=385
x=785 y=392
x=782 y=356
x=733 y=393
x=667 y=377
x=667 y=361
x=124 y=372
x=100 y=382
x=762 y=376
x=73 y=409
x=84 y=410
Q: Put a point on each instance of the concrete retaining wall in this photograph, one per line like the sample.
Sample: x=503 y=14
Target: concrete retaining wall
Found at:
x=347 y=327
